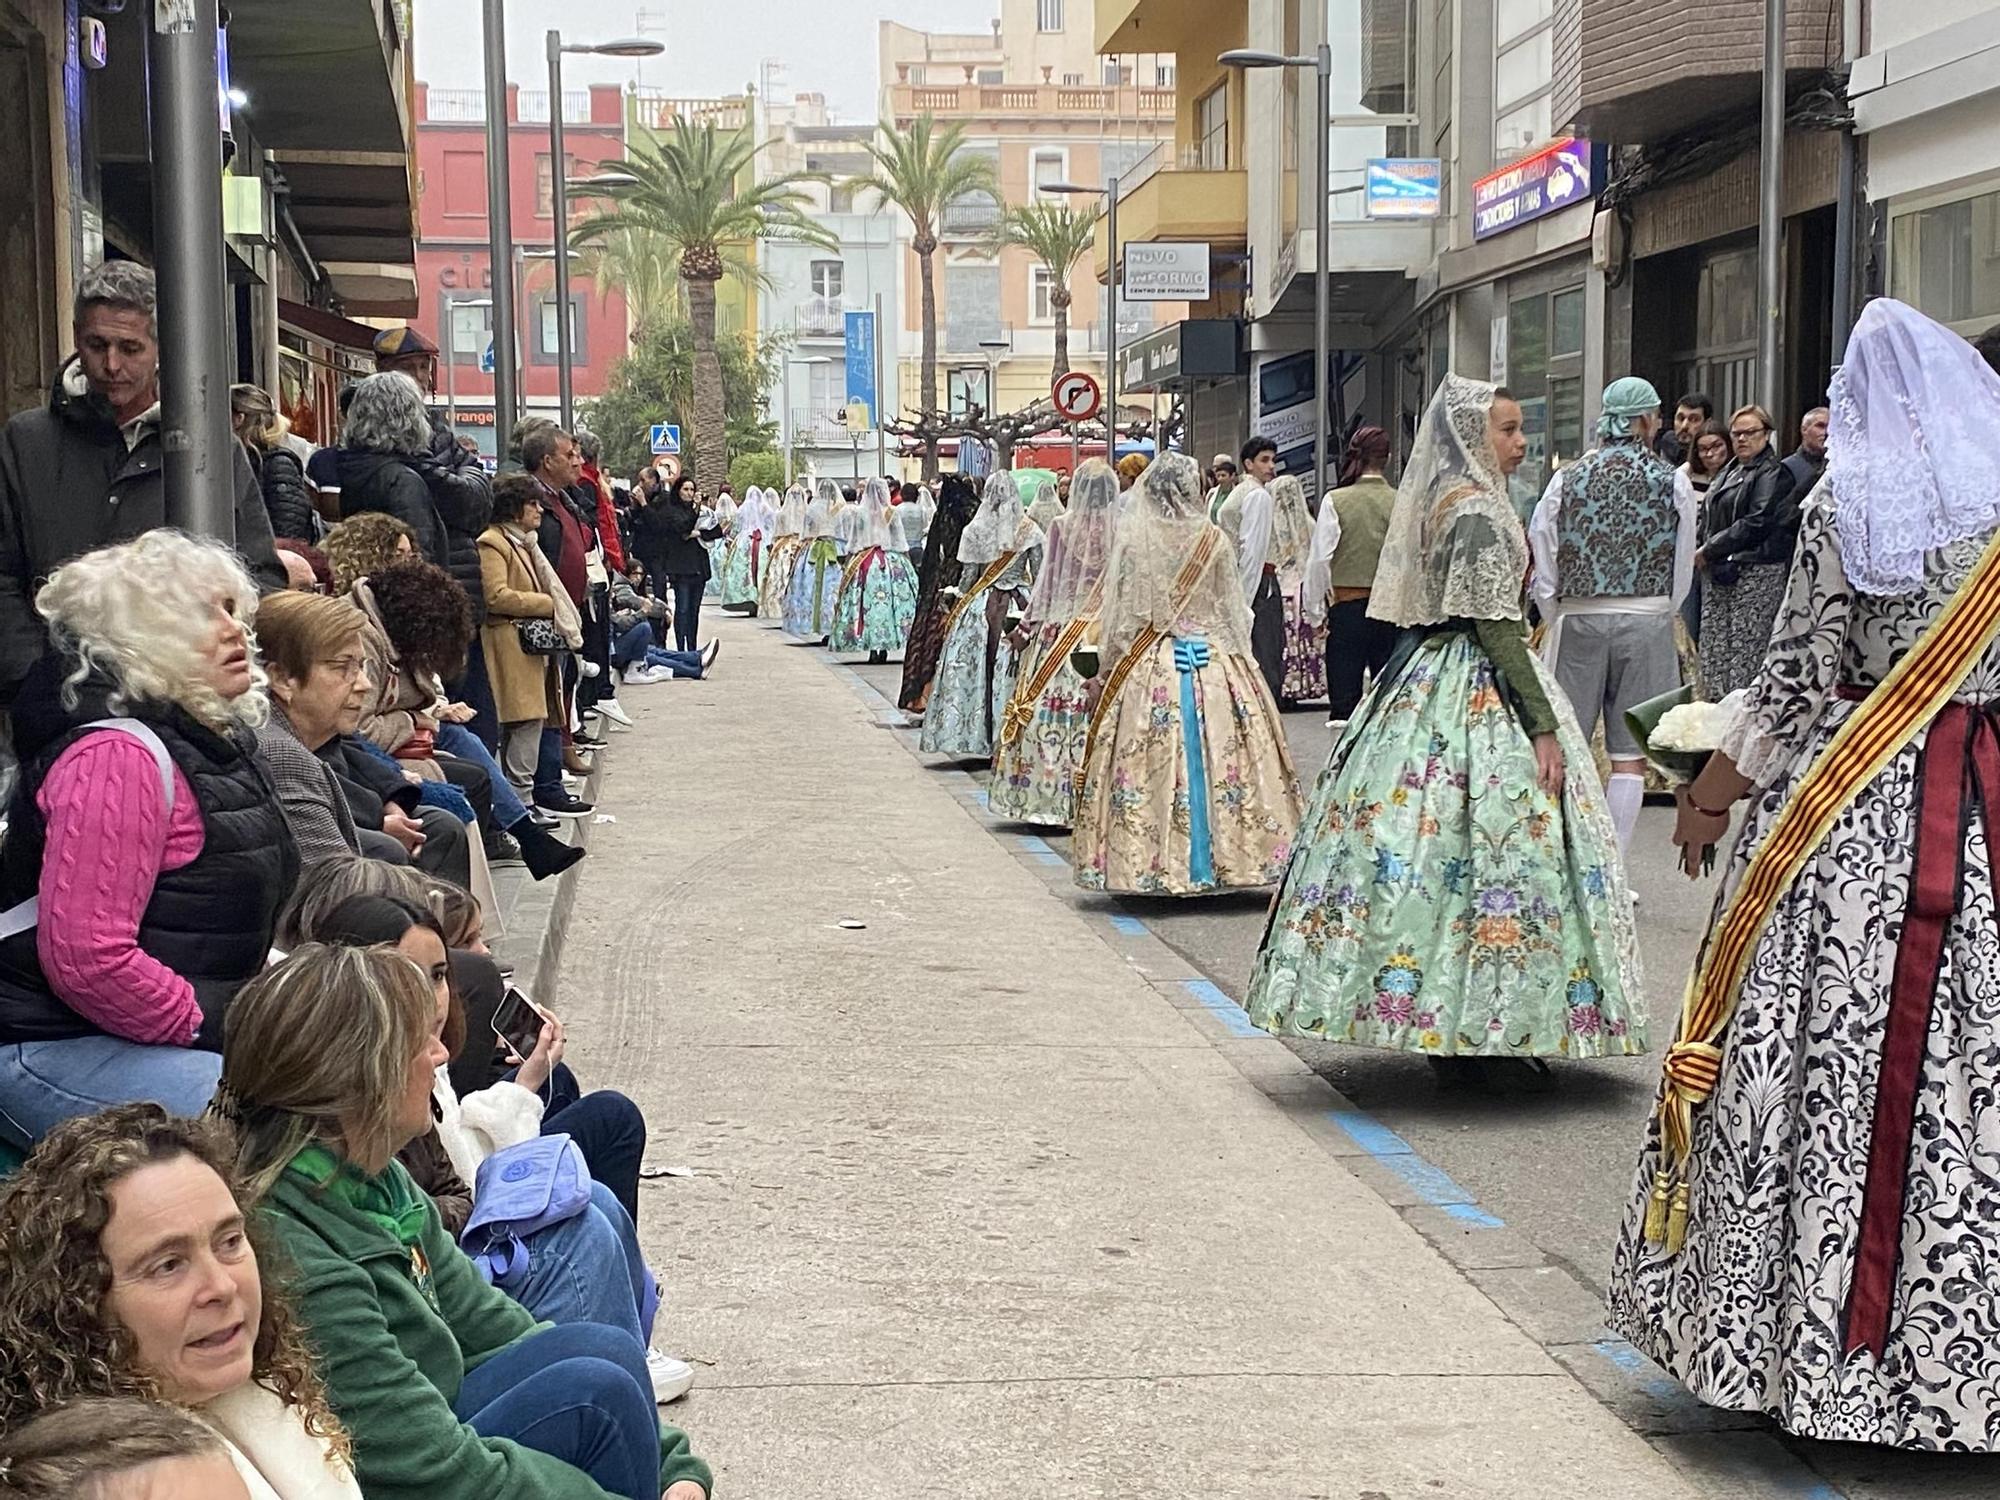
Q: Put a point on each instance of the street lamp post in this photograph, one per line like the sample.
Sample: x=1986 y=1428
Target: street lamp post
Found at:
x=1113 y=272
x=1321 y=62
x=500 y=223
x=559 y=198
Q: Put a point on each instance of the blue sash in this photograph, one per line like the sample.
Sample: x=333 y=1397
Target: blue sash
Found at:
x=1191 y=655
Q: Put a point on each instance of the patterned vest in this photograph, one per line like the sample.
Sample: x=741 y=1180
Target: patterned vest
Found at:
x=1618 y=527
x=1364 y=508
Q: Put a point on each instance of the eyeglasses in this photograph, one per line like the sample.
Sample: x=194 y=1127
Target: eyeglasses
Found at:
x=1748 y=432
x=349 y=667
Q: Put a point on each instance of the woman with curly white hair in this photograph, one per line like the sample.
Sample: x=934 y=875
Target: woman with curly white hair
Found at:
x=147 y=855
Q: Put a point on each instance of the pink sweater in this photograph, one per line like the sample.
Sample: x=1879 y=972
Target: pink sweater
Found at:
x=109 y=837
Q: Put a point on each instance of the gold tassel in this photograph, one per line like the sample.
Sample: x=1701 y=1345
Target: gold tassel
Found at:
x=1677 y=1219
x=1656 y=1209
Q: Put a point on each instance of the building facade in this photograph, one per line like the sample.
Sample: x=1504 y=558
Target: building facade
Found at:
x=454 y=263
x=1038 y=101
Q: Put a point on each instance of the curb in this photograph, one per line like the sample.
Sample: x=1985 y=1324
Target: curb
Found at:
x=537 y=912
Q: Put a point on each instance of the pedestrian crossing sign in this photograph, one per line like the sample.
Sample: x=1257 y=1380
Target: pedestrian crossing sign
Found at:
x=666 y=437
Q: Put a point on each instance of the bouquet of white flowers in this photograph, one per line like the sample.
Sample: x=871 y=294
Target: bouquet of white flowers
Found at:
x=1678 y=733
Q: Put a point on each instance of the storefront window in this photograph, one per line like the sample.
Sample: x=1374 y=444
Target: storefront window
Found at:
x=1545 y=373
x=1945 y=261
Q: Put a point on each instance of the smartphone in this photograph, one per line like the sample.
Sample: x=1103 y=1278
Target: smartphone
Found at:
x=518 y=1022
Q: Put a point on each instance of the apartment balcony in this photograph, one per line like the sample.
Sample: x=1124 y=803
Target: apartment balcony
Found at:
x=820 y=427
x=655 y=111
x=1633 y=72
x=821 y=318
x=1029 y=101
x=1178 y=196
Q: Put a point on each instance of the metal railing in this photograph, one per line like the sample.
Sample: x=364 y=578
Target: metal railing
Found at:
x=819 y=424
x=659 y=111
x=821 y=317
x=534 y=106
x=970 y=216
x=455 y=106
x=1031 y=100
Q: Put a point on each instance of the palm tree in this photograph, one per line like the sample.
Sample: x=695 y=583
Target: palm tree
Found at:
x=695 y=194
x=1057 y=236
x=923 y=171
x=645 y=269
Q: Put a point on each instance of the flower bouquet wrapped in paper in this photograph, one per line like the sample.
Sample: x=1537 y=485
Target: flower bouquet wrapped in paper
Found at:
x=1677 y=732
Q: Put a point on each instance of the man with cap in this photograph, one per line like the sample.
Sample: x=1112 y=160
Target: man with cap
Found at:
x=462 y=490
x=1614 y=541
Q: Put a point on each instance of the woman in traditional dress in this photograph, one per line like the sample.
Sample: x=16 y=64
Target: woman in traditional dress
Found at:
x=1187 y=784
x=718 y=524
x=743 y=563
x=937 y=572
x=1457 y=889
x=878 y=589
x=1044 y=505
x=998 y=556
x=1048 y=717
x=816 y=573
x=1812 y=1235
x=1291 y=548
x=788 y=538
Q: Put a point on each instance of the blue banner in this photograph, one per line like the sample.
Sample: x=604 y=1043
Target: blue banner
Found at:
x=861 y=364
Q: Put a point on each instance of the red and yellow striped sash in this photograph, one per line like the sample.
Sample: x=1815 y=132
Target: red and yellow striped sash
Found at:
x=1880 y=726
x=1027 y=694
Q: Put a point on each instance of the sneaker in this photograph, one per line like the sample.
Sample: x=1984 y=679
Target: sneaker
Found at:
x=611 y=712
x=503 y=849
x=671 y=1377
x=584 y=740
x=708 y=655
x=563 y=805
x=641 y=676
x=588 y=667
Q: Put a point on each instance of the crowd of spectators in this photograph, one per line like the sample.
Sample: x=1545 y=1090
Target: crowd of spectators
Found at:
x=301 y=1199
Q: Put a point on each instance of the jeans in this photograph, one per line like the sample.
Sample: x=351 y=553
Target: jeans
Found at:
x=680 y=663
x=475 y=691
x=589 y=1269
x=636 y=646
x=606 y=1126
x=687 y=609
x=577 y=1392
x=44 y=1083
x=456 y=739
x=549 y=767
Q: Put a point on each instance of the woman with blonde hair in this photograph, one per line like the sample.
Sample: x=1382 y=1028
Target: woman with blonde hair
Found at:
x=280 y=475
x=129 y=1232
x=147 y=853
x=450 y=1388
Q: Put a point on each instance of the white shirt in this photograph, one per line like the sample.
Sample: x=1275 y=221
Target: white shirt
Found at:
x=1319 y=561
x=1543 y=539
x=1253 y=538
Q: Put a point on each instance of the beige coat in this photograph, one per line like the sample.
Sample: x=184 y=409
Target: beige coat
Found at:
x=522 y=684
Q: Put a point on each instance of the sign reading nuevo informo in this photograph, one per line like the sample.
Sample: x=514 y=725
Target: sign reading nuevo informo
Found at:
x=1547 y=182
x=1404 y=187
x=1164 y=271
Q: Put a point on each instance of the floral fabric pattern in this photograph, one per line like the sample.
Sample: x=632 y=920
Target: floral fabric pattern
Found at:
x=1439 y=900
x=1132 y=815
x=1034 y=776
x=783 y=552
x=1736 y=623
x=975 y=674
x=738 y=587
x=810 y=596
x=877 y=603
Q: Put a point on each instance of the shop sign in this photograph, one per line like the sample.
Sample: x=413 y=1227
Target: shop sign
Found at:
x=1534 y=187
x=473 y=416
x=1196 y=349
x=1404 y=187
x=1157 y=271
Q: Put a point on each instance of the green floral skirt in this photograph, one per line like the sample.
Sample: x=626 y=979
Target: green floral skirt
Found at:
x=1438 y=900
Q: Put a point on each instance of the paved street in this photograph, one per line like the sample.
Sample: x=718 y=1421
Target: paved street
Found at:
x=992 y=1196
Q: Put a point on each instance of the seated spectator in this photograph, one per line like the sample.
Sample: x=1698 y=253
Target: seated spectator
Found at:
x=281 y=475
x=585 y=1269
x=337 y=801
x=306 y=567
x=637 y=625
x=450 y=1389
x=116 y=1448
x=521 y=586
x=366 y=544
x=387 y=436
x=155 y=846
x=104 y=1207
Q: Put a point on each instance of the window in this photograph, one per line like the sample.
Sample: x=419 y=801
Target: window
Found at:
x=971 y=306
x=829 y=280
x=840 y=199
x=965 y=387
x=545 y=184
x=1072 y=80
x=1945 y=261
x=1211 y=124
x=826 y=393
x=1545 y=372
x=1049 y=15
x=1163 y=75
x=471 y=329
x=991 y=77
x=1523 y=76
x=545 y=330
x=1041 y=295
x=1048 y=167
x=1116 y=75
x=1566 y=322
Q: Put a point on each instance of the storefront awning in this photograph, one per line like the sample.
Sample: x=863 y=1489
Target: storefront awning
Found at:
x=328 y=328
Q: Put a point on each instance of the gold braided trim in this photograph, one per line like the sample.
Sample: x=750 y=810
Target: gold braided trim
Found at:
x=986 y=581
x=1878 y=729
x=1027 y=694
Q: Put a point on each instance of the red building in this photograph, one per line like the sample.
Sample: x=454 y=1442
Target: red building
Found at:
x=453 y=264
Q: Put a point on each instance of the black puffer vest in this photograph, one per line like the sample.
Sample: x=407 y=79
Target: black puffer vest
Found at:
x=210 y=921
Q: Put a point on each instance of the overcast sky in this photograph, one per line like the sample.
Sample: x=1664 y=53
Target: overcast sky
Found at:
x=713 y=46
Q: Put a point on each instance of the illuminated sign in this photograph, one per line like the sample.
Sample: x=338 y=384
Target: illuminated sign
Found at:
x=1551 y=180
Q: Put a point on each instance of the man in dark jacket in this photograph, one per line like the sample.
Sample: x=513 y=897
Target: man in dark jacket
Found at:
x=86 y=470
x=1808 y=461
x=460 y=485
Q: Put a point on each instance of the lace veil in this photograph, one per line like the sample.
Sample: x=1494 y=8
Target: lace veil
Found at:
x=792 y=514
x=1455 y=548
x=1913 y=450
x=1043 y=505
x=1079 y=545
x=825 y=505
x=999 y=521
x=1155 y=539
x=879 y=525
x=1291 y=529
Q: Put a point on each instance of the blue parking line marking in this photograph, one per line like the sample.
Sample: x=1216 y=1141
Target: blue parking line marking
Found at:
x=1040 y=848
x=1128 y=926
x=1221 y=1006
x=1474 y=1215
x=1433 y=1184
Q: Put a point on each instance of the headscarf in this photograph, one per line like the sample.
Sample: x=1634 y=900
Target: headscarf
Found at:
x=879 y=525
x=1367 y=449
x=1455 y=548
x=1079 y=546
x=1291 y=529
x=955 y=507
x=997 y=527
x=1154 y=542
x=1623 y=400
x=1045 y=506
x=1913 y=448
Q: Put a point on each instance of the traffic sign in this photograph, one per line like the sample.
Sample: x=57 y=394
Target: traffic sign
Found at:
x=1078 y=396
x=486 y=358
x=666 y=437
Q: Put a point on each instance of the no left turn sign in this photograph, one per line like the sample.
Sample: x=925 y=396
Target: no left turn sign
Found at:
x=1077 y=396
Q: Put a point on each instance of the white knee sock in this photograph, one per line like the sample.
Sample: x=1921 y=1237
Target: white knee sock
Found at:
x=1624 y=793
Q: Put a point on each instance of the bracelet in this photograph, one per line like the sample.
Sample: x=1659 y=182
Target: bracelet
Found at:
x=1706 y=812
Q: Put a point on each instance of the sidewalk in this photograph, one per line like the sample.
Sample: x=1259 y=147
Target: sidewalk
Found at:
x=979 y=1210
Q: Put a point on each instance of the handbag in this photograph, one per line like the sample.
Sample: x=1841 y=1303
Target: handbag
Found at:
x=517 y=1194
x=539 y=637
